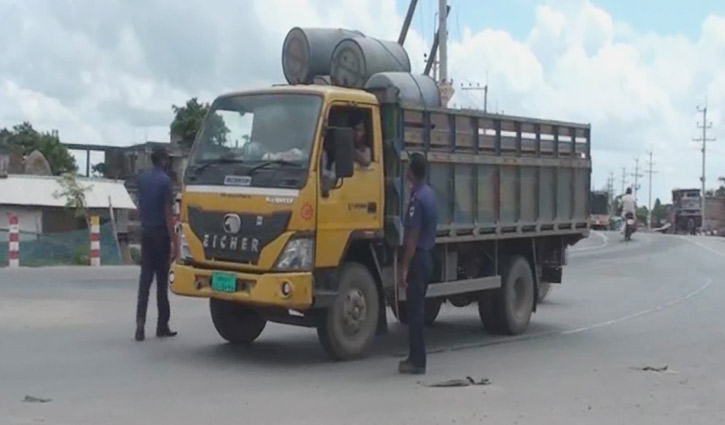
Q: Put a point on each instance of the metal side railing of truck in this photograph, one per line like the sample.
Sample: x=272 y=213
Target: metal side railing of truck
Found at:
x=512 y=195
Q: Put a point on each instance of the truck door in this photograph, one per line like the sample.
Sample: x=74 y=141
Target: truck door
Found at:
x=355 y=203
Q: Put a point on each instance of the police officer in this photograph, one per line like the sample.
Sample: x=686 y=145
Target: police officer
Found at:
x=158 y=243
x=417 y=266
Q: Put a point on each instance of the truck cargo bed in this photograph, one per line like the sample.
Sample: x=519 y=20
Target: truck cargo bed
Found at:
x=495 y=176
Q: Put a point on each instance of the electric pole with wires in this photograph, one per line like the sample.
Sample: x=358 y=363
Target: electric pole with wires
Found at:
x=650 y=171
x=636 y=176
x=478 y=87
x=704 y=139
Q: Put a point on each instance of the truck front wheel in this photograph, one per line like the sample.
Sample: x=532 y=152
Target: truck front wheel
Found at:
x=236 y=323
x=508 y=310
x=347 y=328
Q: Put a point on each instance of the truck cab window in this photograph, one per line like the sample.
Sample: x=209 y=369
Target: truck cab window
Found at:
x=360 y=121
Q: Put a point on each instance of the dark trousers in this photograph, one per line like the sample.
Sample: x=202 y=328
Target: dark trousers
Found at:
x=155 y=251
x=419 y=275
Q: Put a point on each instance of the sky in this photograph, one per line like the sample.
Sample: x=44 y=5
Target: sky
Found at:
x=107 y=72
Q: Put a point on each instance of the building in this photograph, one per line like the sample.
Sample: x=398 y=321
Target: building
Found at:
x=125 y=163
x=40 y=209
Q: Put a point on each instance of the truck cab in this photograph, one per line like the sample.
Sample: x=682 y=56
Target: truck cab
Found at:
x=272 y=197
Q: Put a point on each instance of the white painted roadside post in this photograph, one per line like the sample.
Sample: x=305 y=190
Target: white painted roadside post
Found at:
x=14 y=242
x=95 y=242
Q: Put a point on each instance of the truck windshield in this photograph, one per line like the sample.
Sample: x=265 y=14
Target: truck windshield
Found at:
x=256 y=135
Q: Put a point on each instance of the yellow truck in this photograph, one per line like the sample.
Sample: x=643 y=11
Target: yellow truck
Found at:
x=280 y=223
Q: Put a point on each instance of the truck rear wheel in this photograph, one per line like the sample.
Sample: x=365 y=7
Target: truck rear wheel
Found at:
x=238 y=324
x=347 y=328
x=432 y=308
x=508 y=310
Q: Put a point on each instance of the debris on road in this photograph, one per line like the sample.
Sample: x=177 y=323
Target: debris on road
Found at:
x=658 y=369
x=31 y=399
x=453 y=383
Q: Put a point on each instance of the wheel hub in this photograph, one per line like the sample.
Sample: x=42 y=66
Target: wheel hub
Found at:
x=354 y=311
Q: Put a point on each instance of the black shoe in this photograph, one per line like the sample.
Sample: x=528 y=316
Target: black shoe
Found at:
x=140 y=334
x=165 y=333
x=407 y=368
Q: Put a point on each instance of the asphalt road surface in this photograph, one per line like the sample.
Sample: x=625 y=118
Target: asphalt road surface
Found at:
x=66 y=335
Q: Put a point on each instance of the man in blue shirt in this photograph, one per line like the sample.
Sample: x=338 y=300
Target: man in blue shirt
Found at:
x=158 y=243
x=417 y=266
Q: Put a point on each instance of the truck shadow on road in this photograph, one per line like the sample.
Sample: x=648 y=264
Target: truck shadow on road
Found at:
x=453 y=332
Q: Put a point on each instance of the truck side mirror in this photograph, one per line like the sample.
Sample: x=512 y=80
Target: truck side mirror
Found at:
x=341 y=137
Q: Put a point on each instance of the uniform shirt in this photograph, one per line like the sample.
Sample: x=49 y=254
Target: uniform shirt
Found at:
x=154 y=193
x=422 y=216
x=628 y=205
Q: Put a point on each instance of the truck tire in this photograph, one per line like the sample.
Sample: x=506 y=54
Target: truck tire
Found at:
x=347 y=328
x=238 y=324
x=544 y=289
x=432 y=309
x=508 y=310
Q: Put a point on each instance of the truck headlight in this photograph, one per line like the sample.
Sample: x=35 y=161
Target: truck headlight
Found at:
x=297 y=255
x=184 y=251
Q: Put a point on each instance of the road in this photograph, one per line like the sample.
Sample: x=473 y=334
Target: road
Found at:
x=66 y=334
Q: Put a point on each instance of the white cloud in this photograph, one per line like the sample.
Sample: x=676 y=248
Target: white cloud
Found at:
x=107 y=72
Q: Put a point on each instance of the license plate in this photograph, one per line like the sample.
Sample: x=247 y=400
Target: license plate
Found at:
x=223 y=282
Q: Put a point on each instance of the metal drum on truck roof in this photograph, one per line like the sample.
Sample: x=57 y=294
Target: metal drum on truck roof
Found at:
x=306 y=52
x=321 y=80
x=411 y=88
x=355 y=60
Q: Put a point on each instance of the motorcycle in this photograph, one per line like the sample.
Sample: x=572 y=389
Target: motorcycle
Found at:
x=630 y=226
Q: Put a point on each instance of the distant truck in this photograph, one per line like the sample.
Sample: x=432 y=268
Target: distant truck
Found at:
x=600 y=211
x=686 y=213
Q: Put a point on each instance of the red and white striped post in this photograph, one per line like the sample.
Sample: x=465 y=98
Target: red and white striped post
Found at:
x=95 y=242
x=14 y=242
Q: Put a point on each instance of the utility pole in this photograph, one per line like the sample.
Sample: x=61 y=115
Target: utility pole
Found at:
x=704 y=126
x=636 y=176
x=431 y=58
x=476 y=88
x=624 y=178
x=443 y=39
x=650 y=171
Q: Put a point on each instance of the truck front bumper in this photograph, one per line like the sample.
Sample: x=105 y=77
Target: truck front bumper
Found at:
x=265 y=289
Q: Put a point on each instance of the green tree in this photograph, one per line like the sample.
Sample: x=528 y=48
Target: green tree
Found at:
x=642 y=214
x=720 y=192
x=659 y=213
x=74 y=194
x=188 y=120
x=100 y=169
x=26 y=139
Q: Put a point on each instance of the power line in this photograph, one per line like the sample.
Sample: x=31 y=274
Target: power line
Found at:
x=704 y=139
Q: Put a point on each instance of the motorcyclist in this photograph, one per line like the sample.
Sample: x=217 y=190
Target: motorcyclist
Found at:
x=628 y=204
x=629 y=208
